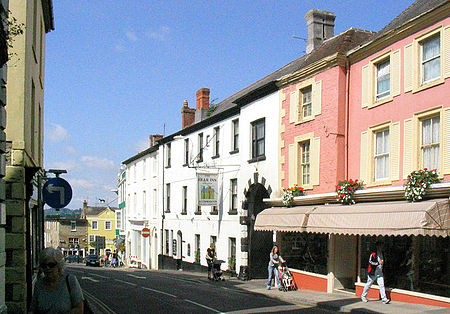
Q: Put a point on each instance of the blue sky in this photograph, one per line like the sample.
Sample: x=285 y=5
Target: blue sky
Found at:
x=117 y=71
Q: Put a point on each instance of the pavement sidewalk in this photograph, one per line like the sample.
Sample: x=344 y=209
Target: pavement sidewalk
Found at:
x=335 y=302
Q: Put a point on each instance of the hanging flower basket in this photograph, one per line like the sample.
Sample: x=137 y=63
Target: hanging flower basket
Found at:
x=345 y=190
x=418 y=182
x=288 y=195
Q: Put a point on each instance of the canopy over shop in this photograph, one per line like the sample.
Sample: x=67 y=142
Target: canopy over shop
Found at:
x=334 y=242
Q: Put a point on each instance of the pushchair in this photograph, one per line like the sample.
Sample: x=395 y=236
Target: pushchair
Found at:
x=216 y=271
x=286 y=278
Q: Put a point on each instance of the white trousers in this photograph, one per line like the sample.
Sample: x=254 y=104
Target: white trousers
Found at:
x=380 y=281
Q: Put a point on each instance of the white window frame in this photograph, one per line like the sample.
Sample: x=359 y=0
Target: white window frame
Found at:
x=305 y=103
x=186 y=151
x=235 y=135
x=106 y=225
x=91 y=238
x=304 y=163
x=73 y=226
x=233 y=195
x=168 y=155
x=379 y=156
x=216 y=148
x=382 y=95
x=96 y=225
x=432 y=144
x=423 y=62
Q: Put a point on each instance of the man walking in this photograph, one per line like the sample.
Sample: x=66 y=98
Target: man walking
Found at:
x=375 y=273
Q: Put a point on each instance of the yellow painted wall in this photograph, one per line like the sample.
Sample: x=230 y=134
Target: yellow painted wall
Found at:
x=110 y=235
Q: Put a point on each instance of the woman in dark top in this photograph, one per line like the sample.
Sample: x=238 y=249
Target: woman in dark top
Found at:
x=210 y=257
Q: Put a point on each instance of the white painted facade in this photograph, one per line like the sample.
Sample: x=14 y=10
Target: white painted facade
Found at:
x=223 y=225
x=140 y=211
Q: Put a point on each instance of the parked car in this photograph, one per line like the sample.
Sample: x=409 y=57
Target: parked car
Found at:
x=73 y=259
x=93 y=260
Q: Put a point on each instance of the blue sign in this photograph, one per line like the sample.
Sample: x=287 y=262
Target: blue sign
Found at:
x=57 y=193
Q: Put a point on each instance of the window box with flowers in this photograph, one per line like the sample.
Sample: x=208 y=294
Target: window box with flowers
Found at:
x=346 y=189
x=418 y=183
x=288 y=195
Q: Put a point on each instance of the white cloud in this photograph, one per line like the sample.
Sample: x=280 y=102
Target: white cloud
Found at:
x=142 y=145
x=70 y=150
x=131 y=36
x=57 y=133
x=96 y=162
x=66 y=165
x=161 y=34
x=83 y=184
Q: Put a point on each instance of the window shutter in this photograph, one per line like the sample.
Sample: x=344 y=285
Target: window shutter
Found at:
x=315 y=161
x=364 y=159
x=446 y=142
x=408 y=146
x=394 y=151
x=408 y=68
x=446 y=51
x=317 y=98
x=293 y=107
x=395 y=75
x=292 y=165
x=365 y=86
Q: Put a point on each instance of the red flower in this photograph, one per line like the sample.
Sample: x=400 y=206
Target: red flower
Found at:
x=425 y=169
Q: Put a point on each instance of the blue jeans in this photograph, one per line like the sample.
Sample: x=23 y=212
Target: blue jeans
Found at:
x=271 y=270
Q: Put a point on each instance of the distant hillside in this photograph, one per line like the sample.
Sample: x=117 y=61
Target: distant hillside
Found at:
x=64 y=213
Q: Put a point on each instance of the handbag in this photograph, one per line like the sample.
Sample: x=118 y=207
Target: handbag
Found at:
x=86 y=307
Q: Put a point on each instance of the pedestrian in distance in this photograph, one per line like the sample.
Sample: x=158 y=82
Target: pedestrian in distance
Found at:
x=275 y=260
x=375 y=273
x=210 y=257
x=55 y=292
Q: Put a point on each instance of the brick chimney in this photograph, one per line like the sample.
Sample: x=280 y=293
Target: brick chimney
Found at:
x=320 y=27
x=154 y=138
x=202 y=104
x=187 y=115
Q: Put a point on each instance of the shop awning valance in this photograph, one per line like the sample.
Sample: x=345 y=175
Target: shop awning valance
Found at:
x=430 y=218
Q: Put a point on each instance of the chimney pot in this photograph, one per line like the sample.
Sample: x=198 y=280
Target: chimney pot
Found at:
x=187 y=115
x=320 y=27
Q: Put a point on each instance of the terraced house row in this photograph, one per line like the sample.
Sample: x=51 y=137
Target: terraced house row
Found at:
x=360 y=108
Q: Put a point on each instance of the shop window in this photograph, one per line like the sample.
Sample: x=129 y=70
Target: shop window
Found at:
x=417 y=264
x=305 y=251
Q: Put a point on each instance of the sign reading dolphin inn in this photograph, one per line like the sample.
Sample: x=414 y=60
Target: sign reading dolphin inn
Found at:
x=207 y=189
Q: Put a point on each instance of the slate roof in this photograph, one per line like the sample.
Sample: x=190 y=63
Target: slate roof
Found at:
x=414 y=10
x=97 y=210
x=340 y=43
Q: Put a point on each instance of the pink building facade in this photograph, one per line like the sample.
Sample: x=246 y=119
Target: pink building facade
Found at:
x=373 y=107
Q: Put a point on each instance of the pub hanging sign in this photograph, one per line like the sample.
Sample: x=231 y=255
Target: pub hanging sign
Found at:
x=207 y=189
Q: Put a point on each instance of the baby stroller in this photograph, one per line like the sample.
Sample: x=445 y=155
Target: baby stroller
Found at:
x=216 y=272
x=286 y=279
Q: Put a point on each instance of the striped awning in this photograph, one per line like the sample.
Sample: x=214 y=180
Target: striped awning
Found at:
x=430 y=218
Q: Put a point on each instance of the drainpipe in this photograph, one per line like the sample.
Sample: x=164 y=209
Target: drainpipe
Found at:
x=163 y=206
x=347 y=113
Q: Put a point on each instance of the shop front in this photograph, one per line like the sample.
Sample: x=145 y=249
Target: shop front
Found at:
x=327 y=247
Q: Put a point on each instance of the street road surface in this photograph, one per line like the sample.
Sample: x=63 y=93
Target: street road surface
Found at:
x=123 y=290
